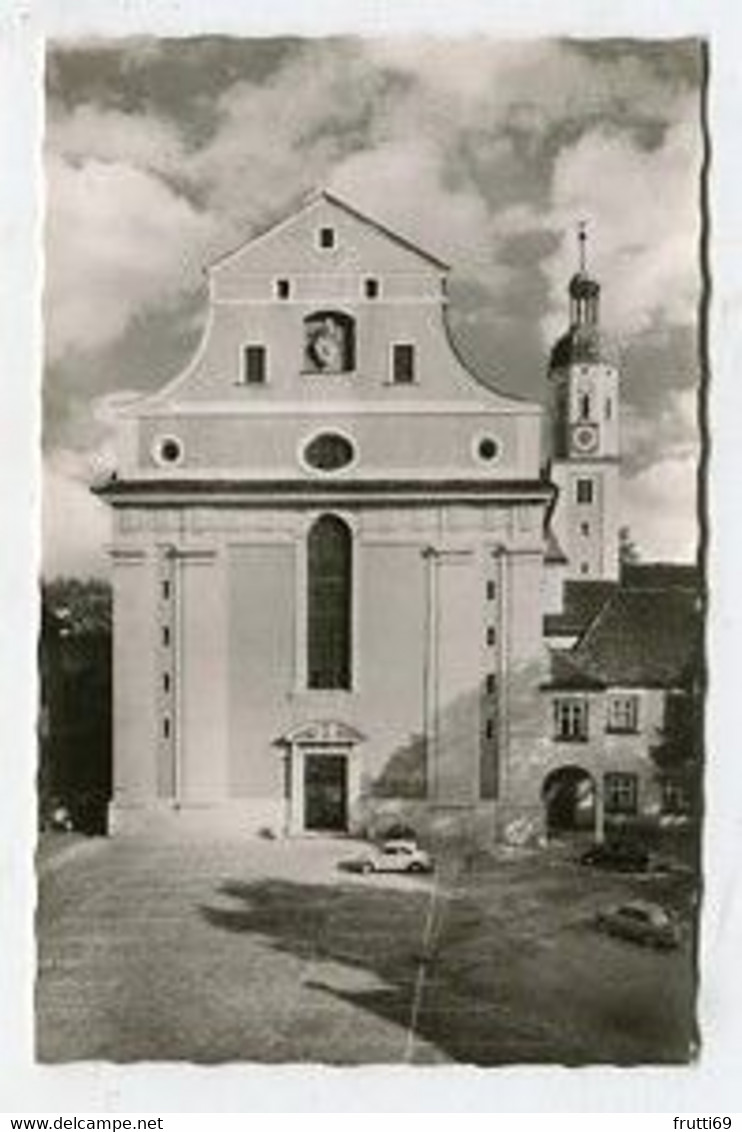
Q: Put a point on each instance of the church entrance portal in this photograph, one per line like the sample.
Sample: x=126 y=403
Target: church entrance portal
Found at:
x=326 y=792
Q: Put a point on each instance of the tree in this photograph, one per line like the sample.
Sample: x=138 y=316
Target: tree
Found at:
x=75 y=710
x=678 y=755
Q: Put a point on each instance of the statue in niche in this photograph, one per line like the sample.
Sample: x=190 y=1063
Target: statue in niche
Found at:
x=328 y=346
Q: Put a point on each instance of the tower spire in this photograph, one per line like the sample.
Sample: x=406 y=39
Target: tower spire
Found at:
x=582 y=244
x=584 y=291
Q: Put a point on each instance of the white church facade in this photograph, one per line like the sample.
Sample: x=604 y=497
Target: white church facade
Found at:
x=334 y=549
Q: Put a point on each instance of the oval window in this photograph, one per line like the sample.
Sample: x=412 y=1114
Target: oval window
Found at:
x=329 y=452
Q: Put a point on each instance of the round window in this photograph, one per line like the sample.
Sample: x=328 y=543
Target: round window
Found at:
x=168 y=450
x=329 y=452
x=487 y=448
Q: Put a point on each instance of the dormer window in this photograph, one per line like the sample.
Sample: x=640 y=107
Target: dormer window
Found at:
x=283 y=289
x=327 y=238
x=371 y=288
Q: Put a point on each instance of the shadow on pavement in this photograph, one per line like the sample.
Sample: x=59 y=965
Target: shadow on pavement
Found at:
x=492 y=992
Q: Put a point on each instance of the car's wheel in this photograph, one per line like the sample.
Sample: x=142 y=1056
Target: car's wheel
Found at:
x=367 y=868
x=415 y=868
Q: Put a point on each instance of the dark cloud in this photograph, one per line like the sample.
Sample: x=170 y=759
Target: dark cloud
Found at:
x=156 y=345
x=678 y=63
x=178 y=79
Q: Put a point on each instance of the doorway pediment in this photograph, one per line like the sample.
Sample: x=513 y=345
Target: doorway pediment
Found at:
x=323 y=731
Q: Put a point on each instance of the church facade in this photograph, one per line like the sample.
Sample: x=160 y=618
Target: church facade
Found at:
x=334 y=547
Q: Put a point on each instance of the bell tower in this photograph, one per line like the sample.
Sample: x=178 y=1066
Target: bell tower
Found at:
x=583 y=445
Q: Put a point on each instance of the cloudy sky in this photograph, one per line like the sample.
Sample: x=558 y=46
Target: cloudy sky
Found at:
x=162 y=154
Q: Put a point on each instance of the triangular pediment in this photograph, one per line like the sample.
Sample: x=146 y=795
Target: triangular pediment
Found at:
x=363 y=244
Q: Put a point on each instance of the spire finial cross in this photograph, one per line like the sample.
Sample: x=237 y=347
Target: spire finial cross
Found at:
x=582 y=243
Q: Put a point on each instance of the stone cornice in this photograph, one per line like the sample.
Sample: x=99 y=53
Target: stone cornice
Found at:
x=182 y=491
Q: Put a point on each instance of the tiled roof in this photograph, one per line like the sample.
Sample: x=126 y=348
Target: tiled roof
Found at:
x=659 y=575
x=582 y=603
x=646 y=638
x=566 y=675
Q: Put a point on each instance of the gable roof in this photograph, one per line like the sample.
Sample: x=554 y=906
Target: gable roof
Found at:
x=315 y=198
x=566 y=675
x=583 y=600
x=384 y=231
x=643 y=638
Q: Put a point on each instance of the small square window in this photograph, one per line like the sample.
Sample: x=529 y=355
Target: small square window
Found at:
x=491 y=591
x=327 y=237
x=165 y=590
x=166 y=727
x=584 y=529
x=491 y=635
x=403 y=363
x=254 y=365
x=283 y=288
x=166 y=681
x=490 y=683
x=165 y=635
x=489 y=729
x=371 y=288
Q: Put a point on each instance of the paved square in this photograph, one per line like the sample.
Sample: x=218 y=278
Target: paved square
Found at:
x=264 y=951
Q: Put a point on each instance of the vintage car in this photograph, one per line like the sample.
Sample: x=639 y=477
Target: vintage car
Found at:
x=394 y=856
x=618 y=856
x=642 y=922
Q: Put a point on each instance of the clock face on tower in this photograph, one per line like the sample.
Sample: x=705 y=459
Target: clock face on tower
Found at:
x=585 y=438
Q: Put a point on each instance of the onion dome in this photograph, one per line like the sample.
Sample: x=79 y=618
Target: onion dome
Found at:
x=584 y=342
x=582 y=345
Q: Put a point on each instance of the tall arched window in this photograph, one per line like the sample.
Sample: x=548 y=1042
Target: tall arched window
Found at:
x=329 y=603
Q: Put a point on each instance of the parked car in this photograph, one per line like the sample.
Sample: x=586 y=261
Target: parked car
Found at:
x=641 y=922
x=394 y=856
x=622 y=856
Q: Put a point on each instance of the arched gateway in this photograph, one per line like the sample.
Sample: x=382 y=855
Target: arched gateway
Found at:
x=568 y=794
